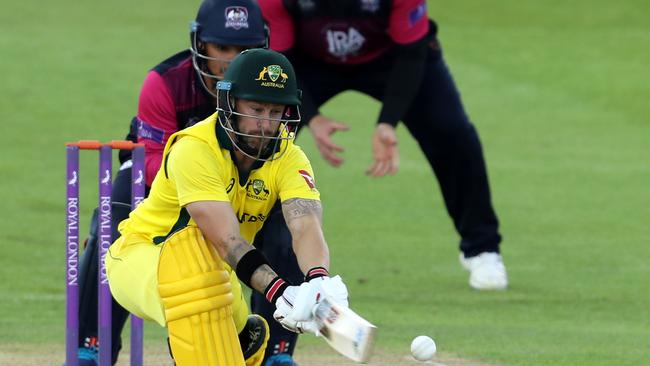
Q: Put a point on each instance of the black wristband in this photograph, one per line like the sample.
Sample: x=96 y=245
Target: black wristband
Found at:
x=275 y=289
x=248 y=264
x=315 y=273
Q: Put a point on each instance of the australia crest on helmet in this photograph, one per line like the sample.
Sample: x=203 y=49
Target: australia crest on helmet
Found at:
x=273 y=72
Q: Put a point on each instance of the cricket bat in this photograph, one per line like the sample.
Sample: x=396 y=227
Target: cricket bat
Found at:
x=344 y=330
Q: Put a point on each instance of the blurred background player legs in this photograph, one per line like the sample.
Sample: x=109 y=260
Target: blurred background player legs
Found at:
x=438 y=122
x=451 y=144
x=389 y=51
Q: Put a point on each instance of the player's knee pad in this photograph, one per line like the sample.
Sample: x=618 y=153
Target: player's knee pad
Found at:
x=254 y=339
x=196 y=295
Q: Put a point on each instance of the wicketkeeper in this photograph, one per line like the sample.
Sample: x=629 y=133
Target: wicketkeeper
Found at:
x=184 y=251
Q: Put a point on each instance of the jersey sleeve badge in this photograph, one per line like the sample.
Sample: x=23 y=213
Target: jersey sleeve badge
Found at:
x=308 y=179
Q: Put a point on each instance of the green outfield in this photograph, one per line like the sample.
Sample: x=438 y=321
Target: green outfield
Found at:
x=558 y=91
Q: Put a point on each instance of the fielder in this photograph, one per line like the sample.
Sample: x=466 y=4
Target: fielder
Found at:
x=185 y=249
x=388 y=50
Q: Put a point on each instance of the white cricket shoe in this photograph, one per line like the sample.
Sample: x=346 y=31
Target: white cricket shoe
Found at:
x=486 y=271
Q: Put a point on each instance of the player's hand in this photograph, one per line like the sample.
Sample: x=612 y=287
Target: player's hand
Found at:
x=284 y=309
x=311 y=293
x=332 y=287
x=385 y=152
x=323 y=128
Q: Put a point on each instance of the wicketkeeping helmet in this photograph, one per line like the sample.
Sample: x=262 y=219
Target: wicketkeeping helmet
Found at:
x=226 y=23
x=260 y=75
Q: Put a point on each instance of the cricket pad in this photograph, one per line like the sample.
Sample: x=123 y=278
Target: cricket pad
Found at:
x=197 y=297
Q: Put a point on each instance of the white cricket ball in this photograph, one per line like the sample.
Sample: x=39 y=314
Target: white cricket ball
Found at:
x=423 y=348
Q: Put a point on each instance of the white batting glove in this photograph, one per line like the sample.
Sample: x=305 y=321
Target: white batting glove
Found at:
x=334 y=288
x=312 y=292
x=285 y=308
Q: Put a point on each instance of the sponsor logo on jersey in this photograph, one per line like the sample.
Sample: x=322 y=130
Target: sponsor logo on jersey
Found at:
x=236 y=17
x=149 y=132
x=230 y=185
x=276 y=76
x=308 y=178
x=246 y=217
x=343 y=43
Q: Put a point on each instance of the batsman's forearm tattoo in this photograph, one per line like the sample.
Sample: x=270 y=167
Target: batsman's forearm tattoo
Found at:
x=299 y=207
x=236 y=247
x=262 y=277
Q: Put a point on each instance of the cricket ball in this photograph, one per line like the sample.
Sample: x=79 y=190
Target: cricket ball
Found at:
x=423 y=348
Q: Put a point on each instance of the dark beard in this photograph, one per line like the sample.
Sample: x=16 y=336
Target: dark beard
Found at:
x=248 y=148
x=244 y=146
x=266 y=151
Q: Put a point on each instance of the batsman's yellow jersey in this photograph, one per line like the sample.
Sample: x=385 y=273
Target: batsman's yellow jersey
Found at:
x=198 y=166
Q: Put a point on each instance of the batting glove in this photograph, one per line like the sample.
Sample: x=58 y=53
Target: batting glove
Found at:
x=332 y=287
x=285 y=308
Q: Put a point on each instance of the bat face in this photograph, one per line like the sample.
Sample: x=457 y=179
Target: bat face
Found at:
x=345 y=330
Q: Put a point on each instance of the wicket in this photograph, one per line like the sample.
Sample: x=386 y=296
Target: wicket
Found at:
x=104 y=241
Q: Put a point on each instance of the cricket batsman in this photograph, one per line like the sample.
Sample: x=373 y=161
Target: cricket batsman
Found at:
x=184 y=251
